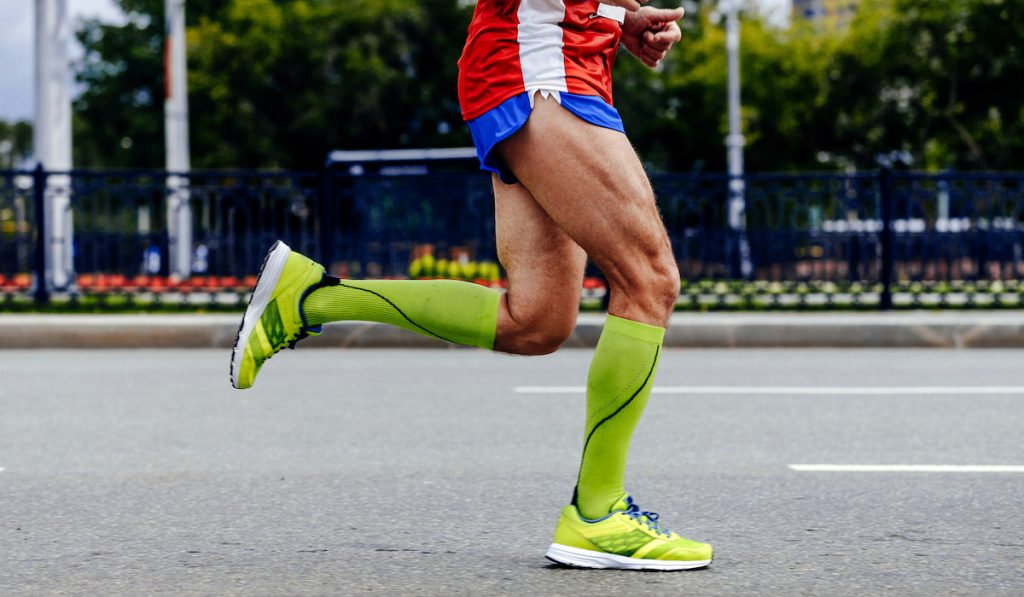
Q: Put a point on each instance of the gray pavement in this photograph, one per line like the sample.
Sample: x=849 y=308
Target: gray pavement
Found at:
x=426 y=472
x=900 y=329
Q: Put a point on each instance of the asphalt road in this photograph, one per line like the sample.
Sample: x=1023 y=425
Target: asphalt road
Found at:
x=426 y=472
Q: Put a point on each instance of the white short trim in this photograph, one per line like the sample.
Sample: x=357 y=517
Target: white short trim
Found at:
x=584 y=558
x=544 y=93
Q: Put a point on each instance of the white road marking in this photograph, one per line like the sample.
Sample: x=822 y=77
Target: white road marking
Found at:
x=800 y=390
x=907 y=468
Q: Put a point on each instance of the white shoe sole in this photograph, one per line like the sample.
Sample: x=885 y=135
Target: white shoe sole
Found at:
x=270 y=273
x=584 y=558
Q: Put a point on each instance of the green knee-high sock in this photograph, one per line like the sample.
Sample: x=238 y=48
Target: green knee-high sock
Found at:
x=619 y=383
x=458 y=312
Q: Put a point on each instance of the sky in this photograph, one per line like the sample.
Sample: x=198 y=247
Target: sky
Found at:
x=17 y=51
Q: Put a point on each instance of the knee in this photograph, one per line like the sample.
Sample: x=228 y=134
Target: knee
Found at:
x=542 y=341
x=664 y=283
x=649 y=287
x=536 y=334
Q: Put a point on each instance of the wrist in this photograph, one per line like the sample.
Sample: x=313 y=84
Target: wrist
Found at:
x=632 y=23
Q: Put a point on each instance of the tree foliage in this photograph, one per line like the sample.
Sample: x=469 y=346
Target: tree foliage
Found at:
x=15 y=143
x=279 y=83
x=678 y=115
x=285 y=82
x=940 y=80
x=118 y=118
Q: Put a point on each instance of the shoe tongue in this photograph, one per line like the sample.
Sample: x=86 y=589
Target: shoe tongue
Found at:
x=621 y=504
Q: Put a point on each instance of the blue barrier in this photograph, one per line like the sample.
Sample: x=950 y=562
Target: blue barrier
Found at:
x=872 y=235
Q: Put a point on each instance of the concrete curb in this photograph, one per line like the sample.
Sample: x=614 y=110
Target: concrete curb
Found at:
x=1003 y=329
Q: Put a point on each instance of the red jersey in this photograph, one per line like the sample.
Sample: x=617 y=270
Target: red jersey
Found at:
x=516 y=46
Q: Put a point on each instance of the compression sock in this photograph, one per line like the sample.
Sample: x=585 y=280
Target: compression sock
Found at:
x=459 y=312
x=618 y=385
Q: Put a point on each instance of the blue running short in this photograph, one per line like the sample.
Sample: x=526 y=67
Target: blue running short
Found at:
x=500 y=122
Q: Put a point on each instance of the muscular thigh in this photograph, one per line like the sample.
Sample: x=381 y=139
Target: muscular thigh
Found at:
x=587 y=178
x=590 y=182
x=544 y=265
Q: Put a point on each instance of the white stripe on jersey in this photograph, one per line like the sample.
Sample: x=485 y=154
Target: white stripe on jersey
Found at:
x=540 y=44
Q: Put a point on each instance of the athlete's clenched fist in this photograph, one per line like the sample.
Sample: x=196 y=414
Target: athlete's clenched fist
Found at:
x=649 y=33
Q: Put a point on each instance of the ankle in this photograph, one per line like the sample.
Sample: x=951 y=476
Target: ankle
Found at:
x=311 y=308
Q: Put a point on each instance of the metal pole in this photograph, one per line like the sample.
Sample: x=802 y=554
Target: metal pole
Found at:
x=326 y=218
x=52 y=137
x=735 y=142
x=179 y=210
x=42 y=293
x=887 y=242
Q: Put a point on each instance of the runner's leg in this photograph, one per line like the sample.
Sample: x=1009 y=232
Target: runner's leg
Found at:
x=590 y=182
x=293 y=296
x=537 y=314
x=545 y=274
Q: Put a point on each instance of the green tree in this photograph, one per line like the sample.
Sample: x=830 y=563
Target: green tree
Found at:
x=118 y=118
x=940 y=80
x=279 y=83
x=678 y=116
x=273 y=83
x=282 y=83
x=15 y=143
x=784 y=90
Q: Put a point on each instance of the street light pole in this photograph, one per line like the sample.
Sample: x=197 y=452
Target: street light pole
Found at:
x=179 y=210
x=735 y=141
x=52 y=137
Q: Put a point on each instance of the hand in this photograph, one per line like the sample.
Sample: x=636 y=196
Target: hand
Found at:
x=649 y=33
x=629 y=5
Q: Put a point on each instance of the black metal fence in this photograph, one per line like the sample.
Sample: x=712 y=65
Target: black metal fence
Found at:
x=17 y=229
x=870 y=240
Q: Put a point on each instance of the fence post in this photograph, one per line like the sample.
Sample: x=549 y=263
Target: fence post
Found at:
x=885 y=191
x=42 y=293
x=179 y=226
x=326 y=219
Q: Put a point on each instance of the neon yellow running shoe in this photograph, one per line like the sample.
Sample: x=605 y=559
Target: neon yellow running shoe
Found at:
x=628 y=538
x=274 y=319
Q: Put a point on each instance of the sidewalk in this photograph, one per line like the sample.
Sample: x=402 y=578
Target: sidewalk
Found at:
x=977 y=329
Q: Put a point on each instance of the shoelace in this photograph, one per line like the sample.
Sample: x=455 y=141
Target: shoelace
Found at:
x=645 y=517
x=289 y=344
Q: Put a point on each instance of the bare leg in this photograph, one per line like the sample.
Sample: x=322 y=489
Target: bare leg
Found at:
x=545 y=273
x=535 y=316
x=590 y=182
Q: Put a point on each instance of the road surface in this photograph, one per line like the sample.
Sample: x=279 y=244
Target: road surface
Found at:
x=441 y=472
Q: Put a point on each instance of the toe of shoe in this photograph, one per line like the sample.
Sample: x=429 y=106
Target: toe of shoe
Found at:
x=692 y=551
x=246 y=374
